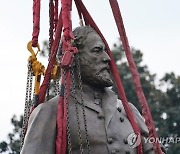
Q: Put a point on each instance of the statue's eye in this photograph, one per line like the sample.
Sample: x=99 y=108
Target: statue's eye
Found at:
x=97 y=49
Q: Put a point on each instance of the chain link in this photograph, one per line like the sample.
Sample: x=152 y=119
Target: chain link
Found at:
x=82 y=101
x=76 y=108
x=51 y=34
x=48 y=91
x=57 y=86
x=67 y=113
x=51 y=24
x=28 y=103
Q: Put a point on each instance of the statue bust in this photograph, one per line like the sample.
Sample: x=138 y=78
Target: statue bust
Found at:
x=97 y=120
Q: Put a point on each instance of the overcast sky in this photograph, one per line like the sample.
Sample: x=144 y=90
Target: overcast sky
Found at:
x=153 y=26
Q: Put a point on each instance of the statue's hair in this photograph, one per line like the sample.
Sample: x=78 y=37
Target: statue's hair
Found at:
x=80 y=34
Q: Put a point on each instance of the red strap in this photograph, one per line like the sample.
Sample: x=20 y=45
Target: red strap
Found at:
x=51 y=23
x=59 y=122
x=80 y=13
x=136 y=80
x=44 y=86
x=66 y=6
x=36 y=22
x=114 y=72
x=55 y=14
x=61 y=139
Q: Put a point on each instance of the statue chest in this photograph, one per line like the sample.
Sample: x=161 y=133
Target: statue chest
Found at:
x=106 y=132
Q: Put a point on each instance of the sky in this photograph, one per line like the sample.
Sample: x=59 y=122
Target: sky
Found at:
x=153 y=26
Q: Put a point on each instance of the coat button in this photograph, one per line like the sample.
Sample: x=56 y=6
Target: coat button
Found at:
x=110 y=140
x=113 y=151
x=117 y=150
x=100 y=116
x=121 y=119
x=119 y=109
x=125 y=141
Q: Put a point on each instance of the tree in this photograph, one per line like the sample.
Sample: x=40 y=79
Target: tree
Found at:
x=172 y=109
x=13 y=144
x=163 y=99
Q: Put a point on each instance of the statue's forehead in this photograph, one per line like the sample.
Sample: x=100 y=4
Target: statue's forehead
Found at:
x=93 y=39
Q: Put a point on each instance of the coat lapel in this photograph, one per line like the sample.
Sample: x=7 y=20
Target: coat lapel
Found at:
x=109 y=105
x=88 y=102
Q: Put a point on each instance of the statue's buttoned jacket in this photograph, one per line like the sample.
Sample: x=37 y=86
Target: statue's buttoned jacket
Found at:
x=107 y=126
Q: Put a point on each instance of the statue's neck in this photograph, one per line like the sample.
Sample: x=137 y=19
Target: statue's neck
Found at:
x=90 y=88
x=92 y=92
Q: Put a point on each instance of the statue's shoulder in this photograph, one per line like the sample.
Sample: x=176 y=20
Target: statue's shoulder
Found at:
x=132 y=107
x=45 y=110
x=41 y=131
x=48 y=105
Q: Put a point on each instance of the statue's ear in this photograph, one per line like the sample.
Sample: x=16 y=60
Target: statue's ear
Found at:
x=78 y=41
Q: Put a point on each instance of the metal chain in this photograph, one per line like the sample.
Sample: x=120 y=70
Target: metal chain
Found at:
x=48 y=91
x=67 y=113
x=51 y=25
x=27 y=103
x=30 y=104
x=51 y=33
x=76 y=108
x=82 y=101
x=57 y=86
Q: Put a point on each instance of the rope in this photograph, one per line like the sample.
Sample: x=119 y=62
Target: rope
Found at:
x=136 y=80
x=51 y=24
x=36 y=22
x=67 y=52
x=43 y=88
x=55 y=13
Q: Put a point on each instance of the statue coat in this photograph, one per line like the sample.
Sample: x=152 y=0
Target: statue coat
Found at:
x=107 y=125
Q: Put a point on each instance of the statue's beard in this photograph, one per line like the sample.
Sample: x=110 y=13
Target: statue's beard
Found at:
x=104 y=79
x=101 y=79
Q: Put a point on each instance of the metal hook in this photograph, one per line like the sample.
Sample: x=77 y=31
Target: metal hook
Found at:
x=30 y=48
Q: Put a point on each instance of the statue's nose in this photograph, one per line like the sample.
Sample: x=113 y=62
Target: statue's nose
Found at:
x=106 y=57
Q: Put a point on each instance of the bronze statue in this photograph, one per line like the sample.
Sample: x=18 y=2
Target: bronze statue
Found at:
x=104 y=129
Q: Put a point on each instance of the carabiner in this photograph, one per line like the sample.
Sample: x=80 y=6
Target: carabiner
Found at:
x=30 y=48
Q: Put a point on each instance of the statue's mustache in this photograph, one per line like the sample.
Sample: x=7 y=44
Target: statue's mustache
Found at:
x=104 y=68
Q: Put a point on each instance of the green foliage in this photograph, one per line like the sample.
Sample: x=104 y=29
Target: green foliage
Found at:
x=172 y=108
x=13 y=144
x=3 y=146
x=163 y=99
